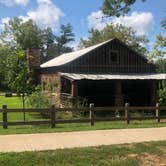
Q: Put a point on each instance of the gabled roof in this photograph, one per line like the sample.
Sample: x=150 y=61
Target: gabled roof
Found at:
x=69 y=57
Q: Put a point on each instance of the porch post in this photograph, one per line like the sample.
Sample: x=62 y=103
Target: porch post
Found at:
x=118 y=94
x=74 y=89
x=153 y=92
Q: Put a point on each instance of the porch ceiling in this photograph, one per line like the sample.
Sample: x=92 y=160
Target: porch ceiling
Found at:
x=74 y=76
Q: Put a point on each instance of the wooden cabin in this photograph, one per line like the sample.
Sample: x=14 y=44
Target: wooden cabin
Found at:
x=106 y=74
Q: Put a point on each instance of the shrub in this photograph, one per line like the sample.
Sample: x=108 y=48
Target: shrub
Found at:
x=8 y=94
x=162 y=93
x=38 y=99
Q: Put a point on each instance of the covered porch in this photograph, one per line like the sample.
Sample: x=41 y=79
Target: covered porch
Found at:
x=112 y=90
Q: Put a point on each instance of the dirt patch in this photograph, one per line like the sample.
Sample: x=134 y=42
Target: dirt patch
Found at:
x=132 y=155
x=163 y=148
x=152 y=160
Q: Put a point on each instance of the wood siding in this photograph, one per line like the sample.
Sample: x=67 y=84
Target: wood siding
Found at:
x=99 y=61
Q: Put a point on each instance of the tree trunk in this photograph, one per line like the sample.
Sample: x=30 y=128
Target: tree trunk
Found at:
x=23 y=103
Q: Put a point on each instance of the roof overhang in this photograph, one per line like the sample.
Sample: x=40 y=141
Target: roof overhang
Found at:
x=74 y=76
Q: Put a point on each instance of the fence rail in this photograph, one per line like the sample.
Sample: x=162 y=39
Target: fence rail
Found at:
x=92 y=110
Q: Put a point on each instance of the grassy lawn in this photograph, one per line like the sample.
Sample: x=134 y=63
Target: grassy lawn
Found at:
x=11 y=102
x=78 y=127
x=152 y=153
x=15 y=102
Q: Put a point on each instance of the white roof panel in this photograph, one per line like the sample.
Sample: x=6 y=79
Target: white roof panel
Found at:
x=68 y=57
x=155 y=76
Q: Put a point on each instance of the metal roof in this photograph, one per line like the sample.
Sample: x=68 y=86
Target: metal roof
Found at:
x=69 y=57
x=74 y=76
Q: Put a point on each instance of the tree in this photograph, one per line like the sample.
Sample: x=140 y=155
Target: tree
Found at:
x=48 y=52
x=62 y=41
x=23 y=34
x=19 y=76
x=56 y=45
x=159 y=48
x=28 y=35
x=163 y=23
x=4 y=52
x=125 y=34
x=117 y=7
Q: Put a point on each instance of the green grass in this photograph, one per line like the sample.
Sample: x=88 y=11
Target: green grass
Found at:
x=113 y=155
x=15 y=102
x=78 y=127
x=11 y=102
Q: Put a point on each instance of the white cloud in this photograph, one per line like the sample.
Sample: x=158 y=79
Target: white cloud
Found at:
x=45 y=15
x=141 y=22
x=96 y=20
x=14 y=2
x=3 y=21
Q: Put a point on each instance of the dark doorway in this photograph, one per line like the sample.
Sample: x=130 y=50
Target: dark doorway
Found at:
x=137 y=93
x=101 y=93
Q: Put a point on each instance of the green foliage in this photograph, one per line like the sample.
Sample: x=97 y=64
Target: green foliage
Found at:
x=38 y=99
x=161 y=64
x=159 y=51
x=19 y=75
x=28 y=35
x=163 y=23
x=162 y=93
x=125 y=34
x=25 y=34
x=5 y=52
x=117 y=7
x=57 y=45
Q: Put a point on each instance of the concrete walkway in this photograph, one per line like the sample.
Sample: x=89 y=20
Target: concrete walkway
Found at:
x=52 y=141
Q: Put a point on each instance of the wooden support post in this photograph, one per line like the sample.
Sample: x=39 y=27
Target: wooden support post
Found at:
x=91 y=115
x=4 y=108
x=157 y=112
x=53 y=116
x=153 y=92
x=74 y=89
x=118 y=94
x=127 y=113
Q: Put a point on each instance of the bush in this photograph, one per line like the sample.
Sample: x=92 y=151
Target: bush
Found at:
x=8 y=94
x=162 y=93
x=38 y=99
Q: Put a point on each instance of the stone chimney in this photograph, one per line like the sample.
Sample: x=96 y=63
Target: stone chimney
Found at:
x=33 y=57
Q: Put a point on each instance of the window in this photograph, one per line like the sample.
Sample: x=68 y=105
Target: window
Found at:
x=113 y=56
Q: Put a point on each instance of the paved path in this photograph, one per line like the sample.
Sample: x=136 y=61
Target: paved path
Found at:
x=52 y=141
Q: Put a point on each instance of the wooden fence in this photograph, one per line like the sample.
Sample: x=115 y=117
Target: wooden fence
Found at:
x=92 y=110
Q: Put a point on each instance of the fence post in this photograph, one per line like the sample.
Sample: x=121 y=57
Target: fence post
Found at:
x=53 y=114
x=157 y=112
x=91 y=115
x=4 y=108
x=127 y=113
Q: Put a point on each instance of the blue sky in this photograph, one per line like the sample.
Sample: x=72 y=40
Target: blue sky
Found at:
x=145 y=17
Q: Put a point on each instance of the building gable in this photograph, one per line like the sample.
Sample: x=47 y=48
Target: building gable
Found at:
x=112 y=57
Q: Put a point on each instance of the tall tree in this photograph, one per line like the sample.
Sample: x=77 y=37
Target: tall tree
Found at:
x=62 y=41
x=159 y=48
x=58 y=44
x=19 y=76
x=117 y=7
x=125 y=34
x=48 y=51
x=22 y=34
x=5 y=51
